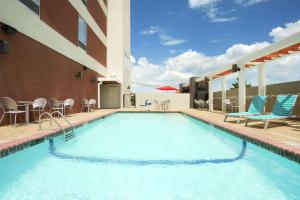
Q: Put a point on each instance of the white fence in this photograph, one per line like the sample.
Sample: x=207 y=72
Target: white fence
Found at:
x=177 y=100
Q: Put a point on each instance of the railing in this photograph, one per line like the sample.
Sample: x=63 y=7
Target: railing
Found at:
x=68 y=135
x=51 y=119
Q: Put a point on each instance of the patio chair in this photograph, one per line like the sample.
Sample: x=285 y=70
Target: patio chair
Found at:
x=256 y=108
x=9 y=106
x=166 y=104
x=148 y=104
x=92 y=103
x=85 y=104
x=282 y=110
x=68 y=104
x=156 y=104
x=197 y=103
x=55 y=105
x=200 y=103
x=38 y=105
x=232 y=105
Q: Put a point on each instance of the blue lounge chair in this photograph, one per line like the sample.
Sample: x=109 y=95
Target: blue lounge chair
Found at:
x=256 y=108
x=282 y=109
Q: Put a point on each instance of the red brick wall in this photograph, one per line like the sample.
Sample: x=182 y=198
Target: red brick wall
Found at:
x=62 y=17
x=96 y=48
x=96 y=11
x=31 y=70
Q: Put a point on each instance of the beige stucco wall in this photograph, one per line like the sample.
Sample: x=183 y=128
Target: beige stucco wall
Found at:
x=177 y=101
x=118 y=40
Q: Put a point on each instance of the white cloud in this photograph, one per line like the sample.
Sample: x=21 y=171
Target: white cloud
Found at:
x=167 y=40
x=180 y=68
x=132 y=60
x=280 y=33
x=211 y=10
x=214 y=16
x=201 y=3
x=247 y=3
x=152 y=30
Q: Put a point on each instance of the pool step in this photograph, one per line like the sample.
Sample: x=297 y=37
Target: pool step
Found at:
x=69 y=135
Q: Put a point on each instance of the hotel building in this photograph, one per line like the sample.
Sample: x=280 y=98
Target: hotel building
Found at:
x=65 y=49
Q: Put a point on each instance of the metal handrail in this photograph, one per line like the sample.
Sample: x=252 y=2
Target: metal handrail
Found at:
x=51 y=118
x=61 y=115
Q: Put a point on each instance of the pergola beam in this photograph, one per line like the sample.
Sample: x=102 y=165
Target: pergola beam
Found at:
x=274 y=51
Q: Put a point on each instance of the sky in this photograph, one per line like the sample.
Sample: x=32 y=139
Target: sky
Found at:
x=173 y=40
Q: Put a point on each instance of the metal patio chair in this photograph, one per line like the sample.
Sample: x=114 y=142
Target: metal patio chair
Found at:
x=85 y=104
x=156 y=104
x=55 y=105
x=38 y=105
x=92 y=103
x=9 y=106
x=68 y=104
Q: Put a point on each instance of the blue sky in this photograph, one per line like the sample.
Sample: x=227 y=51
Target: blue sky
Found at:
x=168 y=34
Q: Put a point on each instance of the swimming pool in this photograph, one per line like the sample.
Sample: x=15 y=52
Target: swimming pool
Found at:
x=148 y=156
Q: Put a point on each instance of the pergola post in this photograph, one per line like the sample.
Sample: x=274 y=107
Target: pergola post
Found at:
x=242 y=88
x=223 y=93
x=262 y=83
x=210 y=95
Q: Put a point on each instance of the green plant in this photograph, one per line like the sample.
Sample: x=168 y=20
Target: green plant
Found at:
x=236 y=84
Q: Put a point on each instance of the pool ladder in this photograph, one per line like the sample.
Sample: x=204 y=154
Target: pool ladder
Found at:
x=67 y=135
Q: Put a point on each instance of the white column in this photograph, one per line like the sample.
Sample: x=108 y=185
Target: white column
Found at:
x=210 y=95
x=99 y=86
x=242 y=88
x=223 y=94
x=262 y=82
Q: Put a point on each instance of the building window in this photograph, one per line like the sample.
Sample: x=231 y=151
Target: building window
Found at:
x=33 y=5
x=82 y=33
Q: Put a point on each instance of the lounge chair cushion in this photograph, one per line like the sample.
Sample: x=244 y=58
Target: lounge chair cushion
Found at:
x=241 y=114
x=282 y=108
x=265 y=117
x=256 y=107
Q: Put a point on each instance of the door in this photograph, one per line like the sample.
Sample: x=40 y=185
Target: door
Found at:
x=113 y=97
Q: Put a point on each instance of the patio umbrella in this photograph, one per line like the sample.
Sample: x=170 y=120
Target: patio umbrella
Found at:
x=167 y=88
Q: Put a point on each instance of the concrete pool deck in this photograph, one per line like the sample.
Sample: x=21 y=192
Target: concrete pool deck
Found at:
x=283 y=140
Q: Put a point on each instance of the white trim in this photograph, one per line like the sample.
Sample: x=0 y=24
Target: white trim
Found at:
x=242 y=89
x=103 y=6
x=99 y=93
x=108 y=79
x=262 y=83
x=12 y=12
x=210 y=95
x=84 y=13
x=223 y=94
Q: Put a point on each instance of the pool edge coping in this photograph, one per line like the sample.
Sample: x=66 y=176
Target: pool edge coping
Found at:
x=280 y=148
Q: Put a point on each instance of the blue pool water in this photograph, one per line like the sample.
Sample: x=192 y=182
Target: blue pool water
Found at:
x=148 y=156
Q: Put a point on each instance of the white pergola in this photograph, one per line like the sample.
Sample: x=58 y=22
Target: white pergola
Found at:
x=258 y=59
